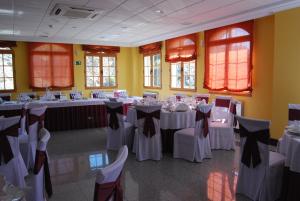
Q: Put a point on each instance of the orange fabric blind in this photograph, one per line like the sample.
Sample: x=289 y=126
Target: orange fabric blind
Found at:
x=101 y=49
x=50 y=65
x=150 y=48
x=183 y=48
x=228 y=58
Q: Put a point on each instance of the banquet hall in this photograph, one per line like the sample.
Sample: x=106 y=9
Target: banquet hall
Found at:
x=149 y=100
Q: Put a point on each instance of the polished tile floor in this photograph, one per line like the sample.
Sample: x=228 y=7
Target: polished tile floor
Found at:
x=75 y=157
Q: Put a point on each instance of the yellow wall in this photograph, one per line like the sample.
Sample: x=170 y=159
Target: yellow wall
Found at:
x=276 y=70
x=286 y=72
x=124 y=59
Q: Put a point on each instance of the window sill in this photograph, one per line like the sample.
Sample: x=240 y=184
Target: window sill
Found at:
x=180 y=89
x=246 y=93
x=152 y=87
x=90 y=88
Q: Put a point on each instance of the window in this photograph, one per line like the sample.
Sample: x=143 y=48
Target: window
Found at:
x=152 y=71
x=100 y=71
x=6 y=69
x=183 y=75
x=228 y=59
x=50 y=65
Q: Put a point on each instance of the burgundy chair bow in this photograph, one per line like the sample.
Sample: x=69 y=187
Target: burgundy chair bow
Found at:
x=178 y=98
x=32 y=118
x=149 y=127
x=5 y=149
x=233 y=111
x=201 y=115
x=113 y=118
x=294 y=114
x=200 y=98
x=40 y=160
x=251 y=151
x=103 y=192
x=222 y=103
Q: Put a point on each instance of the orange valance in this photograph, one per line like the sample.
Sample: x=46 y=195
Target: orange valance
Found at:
x=101 y=49
x=8 y=43
x=183 y=48
x=150 y=48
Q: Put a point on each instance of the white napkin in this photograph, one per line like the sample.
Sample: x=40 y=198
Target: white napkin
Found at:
x=181 y=107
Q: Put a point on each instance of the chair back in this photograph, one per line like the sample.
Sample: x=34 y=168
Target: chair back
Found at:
x=32 y=95
x=36 y=116
x=254 y=139
x=148 y=119
x=151 y=95
x=202 y=118
x=115 y=115
x=76 y=95
x=200 y=97
x=121 y=93
x=294 y=113
x=221 y=108
x=180 y=97
x=5 y=96
x=108 y=181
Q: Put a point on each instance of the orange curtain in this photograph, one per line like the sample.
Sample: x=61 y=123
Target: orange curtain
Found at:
x=182 y=48
x=101 y=49
x=150 y=48
x=8 y=43
x=50 y=65
x=228 y=58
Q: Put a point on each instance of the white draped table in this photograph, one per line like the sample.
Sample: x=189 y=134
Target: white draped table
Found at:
x=289 y=146
x=170 y=122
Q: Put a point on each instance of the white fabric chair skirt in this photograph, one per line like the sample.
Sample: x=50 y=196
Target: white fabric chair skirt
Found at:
x=221 y=136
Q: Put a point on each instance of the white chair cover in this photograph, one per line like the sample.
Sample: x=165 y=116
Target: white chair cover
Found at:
x=33 y=137
x=200 y=97
x=221 y=108
x=147 y=147
x=262 y=182
x=222 y=134
x=15 y=170
x=294 y=113
x=113 y=171
x=37 y=181
x=122 y=135
x=153 y=95
x=190 y=143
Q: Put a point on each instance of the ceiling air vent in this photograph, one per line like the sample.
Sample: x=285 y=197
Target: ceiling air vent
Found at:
x=74 y=12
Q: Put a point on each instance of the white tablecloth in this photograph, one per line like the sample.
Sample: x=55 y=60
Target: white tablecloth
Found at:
x=290 y=147
x=13 y=105
x=169 y=120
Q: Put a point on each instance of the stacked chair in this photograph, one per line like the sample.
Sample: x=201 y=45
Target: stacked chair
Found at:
x=147 y=139
x=260 y=173
x=193 y=144
x=119 y=132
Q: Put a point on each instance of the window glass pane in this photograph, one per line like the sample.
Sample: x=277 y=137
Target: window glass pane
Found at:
x=156 y=60
x=96 y=61
x=96 y=81
x=147 y=82
x=106 y=81
x=8 y=71
x=112 y=72
x=7 y=59
x=105 y=71
x=2 y=83
x=147 y=71
x=112 y=81
x=105 y=61
x=89 y=82
x=1 y=60
x=176 y=75
x=89 y=61
x=147 y=61
x=9 y=83
x=96 y=71
x=111 y=61
x=89 y=71
x=156 y=77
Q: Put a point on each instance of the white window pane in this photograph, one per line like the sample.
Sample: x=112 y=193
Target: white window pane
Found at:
x=105 y=61
x=112 y=72
x=112 y=81
x=1 y=60
x=96 y=61
x=147 y=71
x=97 y=81
x=96 y=71
x=89 y=61
x=147 y=81
x=156 y=77
x=1 y=71
x=89 y=81
x=156 y=60
x=2 y=84
x=106 y=81
x=8 y=71
x=9 y=83
x=89 y=71
x=105 y=71
x=111 y=61
x=147 y=61
x=7 y=59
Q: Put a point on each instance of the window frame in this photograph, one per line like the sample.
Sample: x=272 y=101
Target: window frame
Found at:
x=12 y=52
x=151 y=71
x=101 y=55
x=246 y=26
x=182 y=76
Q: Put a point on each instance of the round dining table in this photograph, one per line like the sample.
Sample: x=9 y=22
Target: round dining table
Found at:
x=170 y=122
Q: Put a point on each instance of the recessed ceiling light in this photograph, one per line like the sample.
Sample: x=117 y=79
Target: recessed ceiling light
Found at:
x=159 y=11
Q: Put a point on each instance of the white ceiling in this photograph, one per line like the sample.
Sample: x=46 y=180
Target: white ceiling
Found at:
x=127 y=22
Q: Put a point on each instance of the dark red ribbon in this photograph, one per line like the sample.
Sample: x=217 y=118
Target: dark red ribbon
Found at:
x=113 y=118
x=200 y=98
x=103 y=192
x=5 y=149
x=40 y=160
x=294 y=114
x=222 y=103
x=149 y=127
x=233 y=111
x=32 y=118
x=251 y=151
x=178 y=98
x=203 y=116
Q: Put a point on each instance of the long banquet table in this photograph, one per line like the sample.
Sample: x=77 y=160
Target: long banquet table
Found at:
x=68 y=114
x=170 y=122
